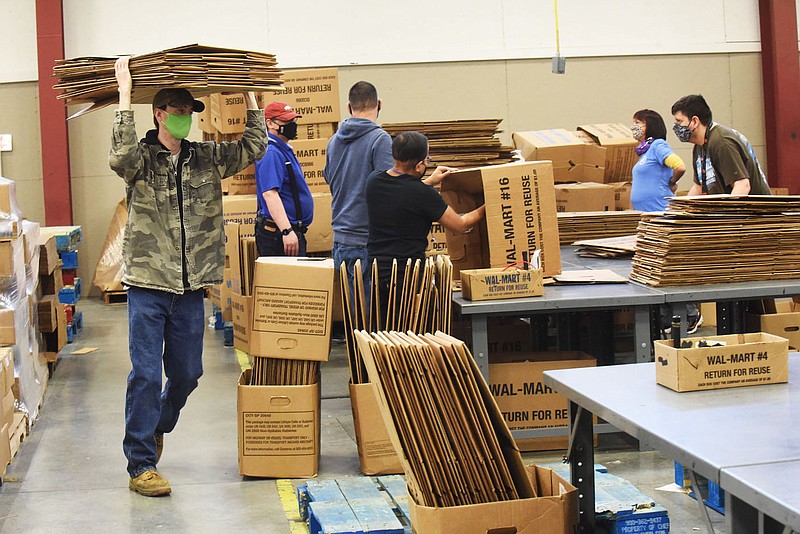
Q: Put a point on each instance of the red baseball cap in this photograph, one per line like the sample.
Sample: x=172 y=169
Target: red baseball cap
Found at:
x=281 y=111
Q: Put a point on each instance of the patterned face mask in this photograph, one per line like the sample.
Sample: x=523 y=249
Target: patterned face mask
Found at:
x=637 y=131
x=683 y=132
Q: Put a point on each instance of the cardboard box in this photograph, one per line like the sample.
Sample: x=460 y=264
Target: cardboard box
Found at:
x=233 y=256
x=376 y=453
x=47 y=313
x=311 y=155
x=8 y=331
x=48 y=256
x=525 y=402
x=5 y=448
x=7 y=259
x=278 y=429
x=242 y=183
x=204 y=117
x=620 y=147
x=225 y=290
x=6 y=369
x=573 y=160
x=520 y=216
x=622 y=195
x=508 y=335
x=240 y=209
x=241 y=315
x=555 y=511
x=588 y=196
x=785 y=325
x=323 y=130
x=292 y=306
x=319 y=237
x=7 y=409
x=745 y=360
x=228 y=112
x=313 y=93
x=501 y=283
x=437 y=240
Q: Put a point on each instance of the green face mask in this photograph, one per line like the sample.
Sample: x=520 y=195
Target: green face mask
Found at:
x=178 y=125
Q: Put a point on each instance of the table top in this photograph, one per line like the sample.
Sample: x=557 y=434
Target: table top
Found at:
x=703 y=430
x=771 y=488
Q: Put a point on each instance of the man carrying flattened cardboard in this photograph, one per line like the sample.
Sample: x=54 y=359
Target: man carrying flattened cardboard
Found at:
x=174 y=248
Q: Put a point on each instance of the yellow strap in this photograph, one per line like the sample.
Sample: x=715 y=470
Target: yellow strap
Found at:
x=243 y=359
x=673 y=161
x=288 y=497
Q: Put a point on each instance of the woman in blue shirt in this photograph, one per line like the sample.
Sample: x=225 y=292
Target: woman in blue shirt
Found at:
x=656 y=174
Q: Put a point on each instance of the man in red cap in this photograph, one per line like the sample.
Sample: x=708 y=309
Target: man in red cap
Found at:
x=285 y=205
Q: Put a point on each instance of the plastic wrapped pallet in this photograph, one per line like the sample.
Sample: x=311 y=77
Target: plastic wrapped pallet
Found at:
x=10 y=214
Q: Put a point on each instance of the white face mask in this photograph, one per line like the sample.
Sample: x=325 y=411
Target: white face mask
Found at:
x=637 y=131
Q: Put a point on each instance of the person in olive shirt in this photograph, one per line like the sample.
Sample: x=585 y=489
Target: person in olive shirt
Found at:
x=724 y=160
x=401 y=208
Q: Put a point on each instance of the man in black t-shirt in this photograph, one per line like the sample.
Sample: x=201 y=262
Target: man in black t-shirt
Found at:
x=401 y=207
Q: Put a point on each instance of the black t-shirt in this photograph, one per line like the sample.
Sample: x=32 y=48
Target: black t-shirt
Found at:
x=400 y=210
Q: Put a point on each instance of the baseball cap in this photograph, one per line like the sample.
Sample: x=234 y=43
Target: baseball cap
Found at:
x=177 y=98
x=280 y=110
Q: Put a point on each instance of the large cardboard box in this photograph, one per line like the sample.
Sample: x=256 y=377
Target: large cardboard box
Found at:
x=745 y=360
x=228 y=112
x=225 y=291
x=508 y=335
x=311 y=155
x=233 y=256
x=437 y=240
x=573 y=160
x=622 y=196
x=204 y=117
x=520 y=216
x=240 y=209
x=5 y=448
x=7 y=409
x=620 y=147
x=292 y=306
x=555 y=511
x=588 y=196
x=48 y=256
x=6 y=369
x=323 y=130
x=525 y=402
x=278 y=429
x=242 y=183
x=501 y=283
x=785 y=325
x=8 y=330
x=313 y=93
x=241 y=313
x=319 y=237
x=376 y=453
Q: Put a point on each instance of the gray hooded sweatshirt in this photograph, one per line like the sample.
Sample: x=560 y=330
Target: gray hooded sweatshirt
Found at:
x=357 y=149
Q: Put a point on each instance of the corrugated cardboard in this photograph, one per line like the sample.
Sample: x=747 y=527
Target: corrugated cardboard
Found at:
x=228 y=112
x=8 y=332
x=241 y=313
x=501 y=283
x=242 y=183
x=233 y=257
x=507 y=335
x=52 y=283
x=6 y=369
x=6 y=258
x=7 y=409
x=225 y=290
x=622 y=195
x=278 y=429
x=292 y=306
x=311 y=155
x=785 y=325
x=520 y=216
x=319 y=237
x=554 y=512
x=620 y=146
x=204 y=117
x=48 y=256
x=376 y=453
x=437 y=240
x=240 y=209
x=5 y=448
x=523 y=399
x=573 y=160
x=746 y=360
x=313 y=93
x=324 y=130
x=47 y=313
x=588 y=196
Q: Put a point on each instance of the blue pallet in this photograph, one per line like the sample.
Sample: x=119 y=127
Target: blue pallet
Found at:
x=69 y=259
x=715 y=495
x=70 y=333
x=77 y=323
x=219 y=324
x=70 y=294
x=653 y=520
x=67 y=237
x=350 y=505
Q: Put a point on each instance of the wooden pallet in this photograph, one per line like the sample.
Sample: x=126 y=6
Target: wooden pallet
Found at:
x=354 y=505
x=115 y=297
x=18 y=432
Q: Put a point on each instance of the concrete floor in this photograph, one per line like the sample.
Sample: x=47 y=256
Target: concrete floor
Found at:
x=69 y=475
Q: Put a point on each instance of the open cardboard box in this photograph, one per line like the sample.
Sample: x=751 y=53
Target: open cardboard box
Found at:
x=573 y=160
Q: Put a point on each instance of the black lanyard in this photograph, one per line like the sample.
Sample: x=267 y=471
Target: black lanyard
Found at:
x=704 y=149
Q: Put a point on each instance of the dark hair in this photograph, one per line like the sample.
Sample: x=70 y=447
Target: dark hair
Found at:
x=693 y=106
x=155 y=121
x=363 y=96
x=410 y=147
x=654 y=124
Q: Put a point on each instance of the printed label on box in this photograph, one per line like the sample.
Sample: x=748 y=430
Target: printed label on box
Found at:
x=278 y=434
x=290 y=311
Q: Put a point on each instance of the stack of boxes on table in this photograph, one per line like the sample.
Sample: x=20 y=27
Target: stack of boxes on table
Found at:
x=314 y=93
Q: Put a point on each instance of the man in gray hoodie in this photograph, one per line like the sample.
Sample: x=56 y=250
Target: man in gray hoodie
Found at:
x=357 y=149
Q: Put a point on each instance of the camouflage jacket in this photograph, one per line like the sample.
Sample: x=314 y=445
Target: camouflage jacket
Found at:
x=152 y=244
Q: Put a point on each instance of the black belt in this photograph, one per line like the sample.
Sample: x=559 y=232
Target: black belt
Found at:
x=272 y=226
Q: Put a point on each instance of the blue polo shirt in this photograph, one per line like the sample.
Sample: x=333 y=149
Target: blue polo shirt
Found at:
x=272 y=173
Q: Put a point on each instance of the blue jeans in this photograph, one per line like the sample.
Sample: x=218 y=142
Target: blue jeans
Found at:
x=349 y=254
x=162 y=327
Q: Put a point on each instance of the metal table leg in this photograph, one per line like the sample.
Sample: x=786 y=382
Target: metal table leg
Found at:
x=480 y=343
x=642 y=344
x=581 y=464
x=742 y=518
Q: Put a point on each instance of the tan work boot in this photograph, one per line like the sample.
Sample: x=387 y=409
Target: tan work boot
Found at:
x=150 y=484
x=159 y=445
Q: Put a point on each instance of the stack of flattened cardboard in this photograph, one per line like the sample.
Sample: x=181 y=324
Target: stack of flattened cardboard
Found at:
x=612 y=247
x=576 y=226
x=461 y=143
x=202 y=69
x=719 y=238
x=456 y=446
